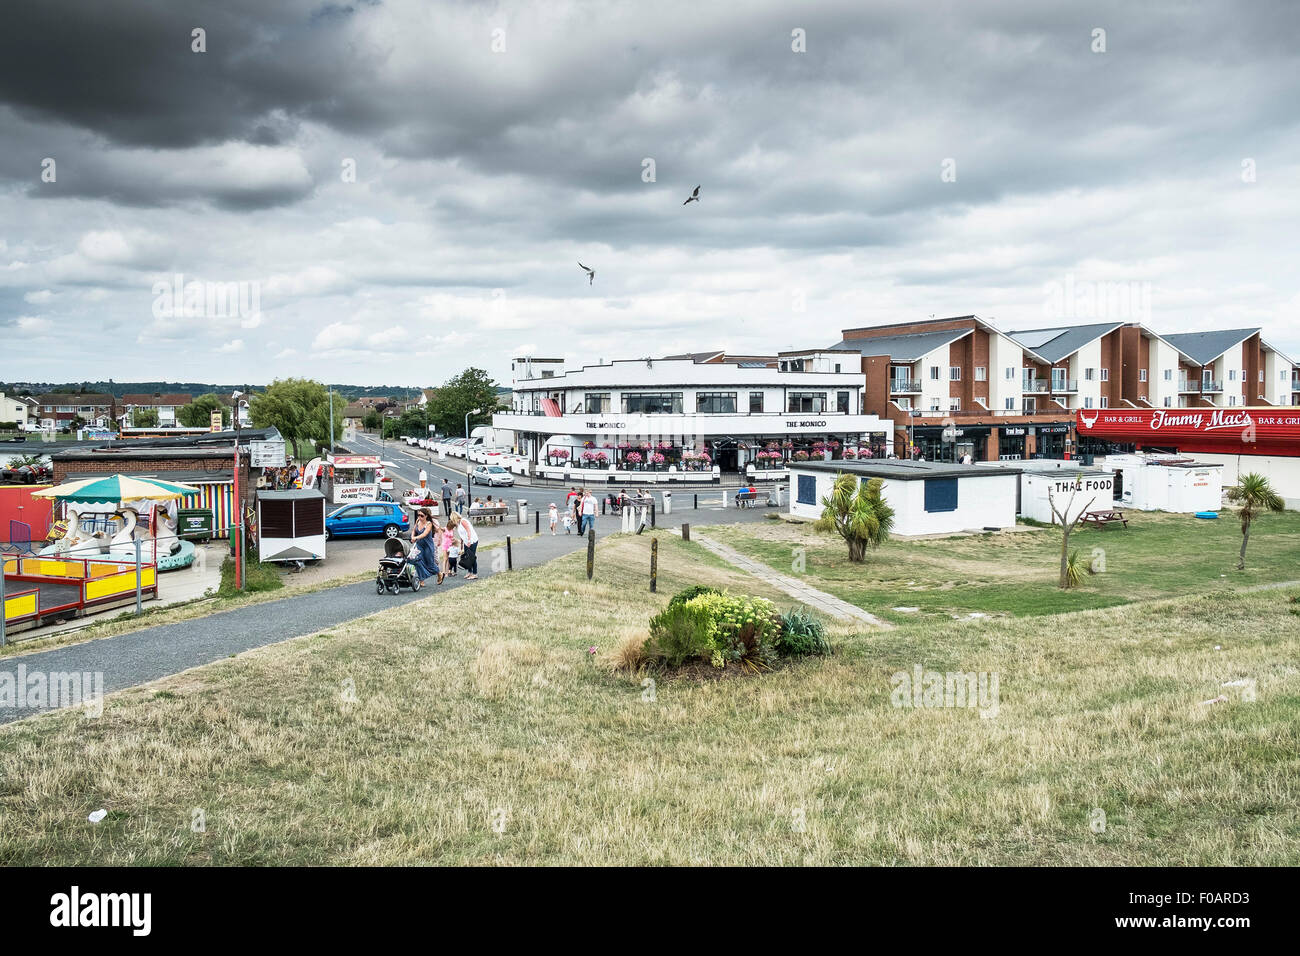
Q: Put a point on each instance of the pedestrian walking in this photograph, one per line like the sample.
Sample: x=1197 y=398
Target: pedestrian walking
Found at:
x=553 y=517
x=460 y=497
x=588 y=511
x=446 y=497
x=422 y=552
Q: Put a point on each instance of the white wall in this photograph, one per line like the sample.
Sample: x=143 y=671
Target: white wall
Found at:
x=1277 y=378
x=1004 y=354
x=1163 y=357
x=1088 y=357
x=1282 y=472
x=982 y=501
x=931 y=390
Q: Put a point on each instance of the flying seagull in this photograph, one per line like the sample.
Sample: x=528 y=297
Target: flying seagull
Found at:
x=591 y=274
x=694 y=197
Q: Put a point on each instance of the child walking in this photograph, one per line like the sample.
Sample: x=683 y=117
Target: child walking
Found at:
x=553 y=517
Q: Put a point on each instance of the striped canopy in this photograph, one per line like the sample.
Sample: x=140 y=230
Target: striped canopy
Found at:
x=116 y=488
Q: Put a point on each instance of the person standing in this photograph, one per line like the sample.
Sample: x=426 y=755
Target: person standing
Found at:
x=468 y=538
x=422 y=540
x=588 y=511
x=446 y=498
x=460 y=498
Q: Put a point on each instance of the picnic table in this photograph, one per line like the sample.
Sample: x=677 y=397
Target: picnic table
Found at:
x=1104 y=516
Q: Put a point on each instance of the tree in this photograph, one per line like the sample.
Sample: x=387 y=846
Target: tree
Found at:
x=299 y=408
x=1256 y=497
x=371 y=421
x=144 y=417
x=857 y=512
x=471 y=389
x=1069 y=571
x=198 y=414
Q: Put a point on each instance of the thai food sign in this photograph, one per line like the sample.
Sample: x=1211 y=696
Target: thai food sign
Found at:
x=1225 y=431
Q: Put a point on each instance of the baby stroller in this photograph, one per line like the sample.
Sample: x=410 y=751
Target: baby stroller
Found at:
x=396 y=571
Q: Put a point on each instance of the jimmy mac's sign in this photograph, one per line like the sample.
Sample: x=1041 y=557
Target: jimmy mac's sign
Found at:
x=1253 y=431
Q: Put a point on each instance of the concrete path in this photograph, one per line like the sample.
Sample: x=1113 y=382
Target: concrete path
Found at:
x=828 y=604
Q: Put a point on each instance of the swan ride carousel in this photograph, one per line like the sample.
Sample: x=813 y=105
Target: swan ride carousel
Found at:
x=146 y=509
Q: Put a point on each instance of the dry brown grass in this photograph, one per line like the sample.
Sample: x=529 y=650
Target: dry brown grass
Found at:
x=480 y=733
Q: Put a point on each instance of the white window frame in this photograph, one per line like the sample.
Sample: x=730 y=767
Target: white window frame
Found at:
x=934 y=373
x=954 y=373
x=1089 y=375
x=981 y=373
x=954 y=404
x=1142 y=375
x=1105 y=375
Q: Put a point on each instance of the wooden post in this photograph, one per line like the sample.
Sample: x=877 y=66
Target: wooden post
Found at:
x=686 y=531
x=591 y=552
x=652 y=511
x=510 y=561
x=654 y=565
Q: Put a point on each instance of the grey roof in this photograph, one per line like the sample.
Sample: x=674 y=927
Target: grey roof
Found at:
x=1204 y=347
x=902 y=348
x=1055 y=344
x=903 y=470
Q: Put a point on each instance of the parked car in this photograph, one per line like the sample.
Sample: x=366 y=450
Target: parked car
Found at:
x=493 y=475
x=17 y=438
x=385 y=518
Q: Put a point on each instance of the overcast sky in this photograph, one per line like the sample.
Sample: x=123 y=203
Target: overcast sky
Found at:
x=915 y=159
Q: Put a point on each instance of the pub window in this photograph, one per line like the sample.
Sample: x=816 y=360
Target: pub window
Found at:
x=806 y=402
x=597 y=403
x=653 y=403
x=715 y=403
x=756 y=403
x=842 y=402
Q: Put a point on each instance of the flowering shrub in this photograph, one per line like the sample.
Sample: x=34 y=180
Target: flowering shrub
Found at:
x=623 y=446
x=558 y=453
x=801 y=456
x=665 y=446
x=634 y=458
x=589 y=444
x=719 y=628
x=656 y=459
x=602 y=457
x=850 y=453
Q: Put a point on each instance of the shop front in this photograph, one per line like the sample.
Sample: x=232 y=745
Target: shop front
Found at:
x=1053 y=442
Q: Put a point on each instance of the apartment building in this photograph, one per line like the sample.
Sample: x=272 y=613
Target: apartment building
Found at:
x=1016 y=394
x=730 y=407
x=962 y=375
x=166 y=405
x=1230 y=368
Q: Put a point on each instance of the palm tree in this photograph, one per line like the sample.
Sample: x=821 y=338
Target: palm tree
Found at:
x=1256 y=497
x=857 y=512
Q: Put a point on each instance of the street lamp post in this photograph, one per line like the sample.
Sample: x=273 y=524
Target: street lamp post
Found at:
x=469 y=484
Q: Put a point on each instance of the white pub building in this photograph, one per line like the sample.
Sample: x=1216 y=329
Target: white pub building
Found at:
x=751 y=414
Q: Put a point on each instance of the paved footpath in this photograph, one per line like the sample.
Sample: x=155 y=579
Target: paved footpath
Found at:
x=138 y=657
x=817 y=600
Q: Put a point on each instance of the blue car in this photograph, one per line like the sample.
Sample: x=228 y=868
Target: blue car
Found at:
x=368 y=517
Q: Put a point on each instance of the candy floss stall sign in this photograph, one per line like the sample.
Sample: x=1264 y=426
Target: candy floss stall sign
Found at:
x=1230 y=431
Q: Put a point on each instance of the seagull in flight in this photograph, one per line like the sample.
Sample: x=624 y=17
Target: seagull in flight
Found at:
x=591 y=274
x=694 y=197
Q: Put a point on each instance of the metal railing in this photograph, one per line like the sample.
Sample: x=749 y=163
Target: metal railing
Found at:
x=1208 y=386
x=1033 y=385
x=1064 y=385
x=897 y=385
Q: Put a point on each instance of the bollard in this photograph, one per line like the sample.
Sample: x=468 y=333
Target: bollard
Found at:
x=137 y=575
x=686 y=531
x=591 y=552
x=668 y=502
x=654 y=565
x=510 y=561
x=724 y=498
x=537 y=521
x=697 y=502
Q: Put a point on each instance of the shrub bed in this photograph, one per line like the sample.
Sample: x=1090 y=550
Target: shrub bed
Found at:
x=703 y=624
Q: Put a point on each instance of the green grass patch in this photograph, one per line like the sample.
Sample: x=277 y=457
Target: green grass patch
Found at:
x=1015 y=574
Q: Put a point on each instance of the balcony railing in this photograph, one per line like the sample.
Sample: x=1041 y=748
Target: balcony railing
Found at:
x=1211 y=386
x=1033 y=385
x=897 y=385
x=1187 y=386
x=1064 y=385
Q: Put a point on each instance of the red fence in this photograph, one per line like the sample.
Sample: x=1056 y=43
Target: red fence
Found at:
x=17 y=504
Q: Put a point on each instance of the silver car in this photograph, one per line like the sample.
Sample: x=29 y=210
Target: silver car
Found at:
x=493 y=475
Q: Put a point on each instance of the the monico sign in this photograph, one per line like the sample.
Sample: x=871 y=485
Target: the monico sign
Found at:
x=1232 y=431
